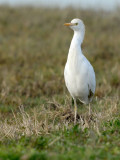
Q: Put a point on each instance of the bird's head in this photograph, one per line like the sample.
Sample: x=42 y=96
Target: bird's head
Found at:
x=76 y=25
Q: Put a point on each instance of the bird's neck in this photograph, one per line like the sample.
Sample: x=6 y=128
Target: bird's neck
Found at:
x=75 y=51
x=76 y=42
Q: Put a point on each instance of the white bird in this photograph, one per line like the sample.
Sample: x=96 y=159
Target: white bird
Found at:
x=78 y=73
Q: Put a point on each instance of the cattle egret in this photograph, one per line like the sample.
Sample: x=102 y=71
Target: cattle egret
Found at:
x=78 y=73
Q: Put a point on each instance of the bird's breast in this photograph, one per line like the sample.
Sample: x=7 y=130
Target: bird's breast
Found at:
x=75 y=80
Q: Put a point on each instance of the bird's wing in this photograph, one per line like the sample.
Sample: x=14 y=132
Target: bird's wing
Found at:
x=91 y=81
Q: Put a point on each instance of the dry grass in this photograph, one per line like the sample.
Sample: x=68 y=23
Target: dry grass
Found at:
x=55 y=117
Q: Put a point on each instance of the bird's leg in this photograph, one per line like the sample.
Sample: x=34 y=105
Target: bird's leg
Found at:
x=89 y=110
x=72 y=103
x=75 y=104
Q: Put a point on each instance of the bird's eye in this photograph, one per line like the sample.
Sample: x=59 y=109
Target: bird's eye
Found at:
x=76 y=24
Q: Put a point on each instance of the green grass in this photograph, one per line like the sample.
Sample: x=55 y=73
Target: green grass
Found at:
x=69 y=144
x=36 y=111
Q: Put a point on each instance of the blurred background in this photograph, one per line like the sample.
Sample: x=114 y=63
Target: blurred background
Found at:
x=94 y=4
x=34 y=46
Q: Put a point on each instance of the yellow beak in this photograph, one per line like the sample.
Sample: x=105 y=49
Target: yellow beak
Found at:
x=69 y=24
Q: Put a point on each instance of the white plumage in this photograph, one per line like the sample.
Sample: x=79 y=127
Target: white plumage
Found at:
x=78 y=73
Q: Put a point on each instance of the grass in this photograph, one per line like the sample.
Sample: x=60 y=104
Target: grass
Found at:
x=36 y=113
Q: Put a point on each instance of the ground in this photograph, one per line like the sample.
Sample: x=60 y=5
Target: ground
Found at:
x=36 y=113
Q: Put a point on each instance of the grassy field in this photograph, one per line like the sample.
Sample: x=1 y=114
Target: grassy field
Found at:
x=36 y=113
